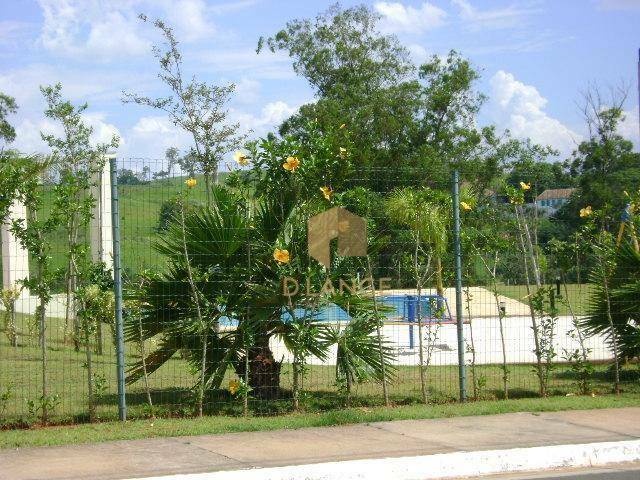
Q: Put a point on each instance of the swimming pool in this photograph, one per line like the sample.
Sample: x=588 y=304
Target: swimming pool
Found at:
x=401 y=308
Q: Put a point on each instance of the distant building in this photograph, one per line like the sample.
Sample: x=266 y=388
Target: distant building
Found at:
x=551 y=200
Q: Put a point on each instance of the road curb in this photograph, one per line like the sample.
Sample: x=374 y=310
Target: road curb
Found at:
x=439 y=466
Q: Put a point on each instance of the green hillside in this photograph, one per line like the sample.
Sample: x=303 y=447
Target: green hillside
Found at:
x=139 y=214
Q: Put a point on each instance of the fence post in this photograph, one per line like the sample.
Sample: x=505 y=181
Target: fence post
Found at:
x=117 y=288
x=462 y=374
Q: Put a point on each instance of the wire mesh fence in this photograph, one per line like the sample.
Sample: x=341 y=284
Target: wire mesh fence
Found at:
x=234 y=303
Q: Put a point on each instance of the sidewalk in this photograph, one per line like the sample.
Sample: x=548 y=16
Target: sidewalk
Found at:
x=239 y=451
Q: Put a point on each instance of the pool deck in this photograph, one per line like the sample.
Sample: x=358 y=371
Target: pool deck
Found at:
x=481 y=303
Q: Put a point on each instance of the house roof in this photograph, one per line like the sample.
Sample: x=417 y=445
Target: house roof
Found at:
x=555 y=193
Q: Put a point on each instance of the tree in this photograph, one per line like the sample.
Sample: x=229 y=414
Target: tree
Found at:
x=239 y=249
x=445 y=134
x=361 y=79
x=614 y=304
x=531 y=165
x=78 y=164
x=428 y=223
x=195 y=106
x=605 y=163
x=127 y=176
x=8 y=105
x=172 y=156
x=20 y=181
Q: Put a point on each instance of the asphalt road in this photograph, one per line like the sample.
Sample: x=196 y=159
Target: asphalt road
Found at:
x=630 y=472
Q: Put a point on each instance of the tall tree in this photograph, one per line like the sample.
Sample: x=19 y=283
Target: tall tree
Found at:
x=362 y=79
x=605 y=163
x=77 y=162
x=197 y=107
x=445 y=134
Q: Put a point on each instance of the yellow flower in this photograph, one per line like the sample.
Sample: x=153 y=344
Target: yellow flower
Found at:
x=191 y=182
x=281 y=256
x=525 y=186
x=241 y=158
x=465 y=206
x=343 y=152
x=326 y=192
x=586 y=211
x=342 y=126
x=291 y=164
x=234 y=386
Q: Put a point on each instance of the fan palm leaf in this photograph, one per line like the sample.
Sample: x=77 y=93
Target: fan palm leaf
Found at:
x=623 y=289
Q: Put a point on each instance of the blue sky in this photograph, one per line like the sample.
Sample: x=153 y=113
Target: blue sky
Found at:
x=535 y=57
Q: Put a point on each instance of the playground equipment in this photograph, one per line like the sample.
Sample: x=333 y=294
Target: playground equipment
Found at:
x=626 y=221
x=434 y=309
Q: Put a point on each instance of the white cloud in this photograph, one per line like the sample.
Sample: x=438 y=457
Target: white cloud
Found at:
x=507 y=17
x=401 y=18
x=521 y=109
x=103 y=132
x=111 y=30
x=190 y=18
x=91 y=28
x=152 y=135
x=14 y=35
x=247 y=91
x=29 y=140
x=629 y=128
x=534 y=42
x=238 y=61
x=418 y=53
x=271 y=115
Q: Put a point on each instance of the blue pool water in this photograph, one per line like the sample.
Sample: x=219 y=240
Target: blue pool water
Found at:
x=403 y=308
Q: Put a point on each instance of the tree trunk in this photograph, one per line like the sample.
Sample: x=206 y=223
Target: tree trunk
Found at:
x=296 y=383
x=385 y=390
x=12 y=328
x=99 y=342
x=534 y=323
x=43 y=350
x=92 y=404
x=439 y=283
x=614 y=338
x=264 y=370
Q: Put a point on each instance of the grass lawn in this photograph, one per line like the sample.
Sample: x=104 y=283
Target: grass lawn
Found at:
x=161 y=427
x=577 y=296
x=171 y=386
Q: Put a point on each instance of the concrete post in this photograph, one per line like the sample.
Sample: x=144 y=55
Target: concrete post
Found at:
x=101 y=230
x=15 y=258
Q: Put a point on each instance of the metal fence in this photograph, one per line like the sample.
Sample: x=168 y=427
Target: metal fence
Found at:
x=382 y=341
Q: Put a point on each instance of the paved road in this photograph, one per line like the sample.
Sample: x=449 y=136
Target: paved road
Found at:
x=630 y=472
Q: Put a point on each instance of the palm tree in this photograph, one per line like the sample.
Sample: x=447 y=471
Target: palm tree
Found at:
x=229 y=263
x=614 y=306
x=361 y=354
x=427 y=215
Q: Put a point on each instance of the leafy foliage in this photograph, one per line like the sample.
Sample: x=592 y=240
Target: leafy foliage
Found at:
x=195 y=106
x=8 y=105
x=619 y=293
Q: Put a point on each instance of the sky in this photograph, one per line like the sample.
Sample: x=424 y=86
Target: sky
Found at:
x=535 y=58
